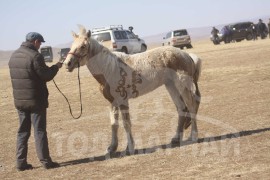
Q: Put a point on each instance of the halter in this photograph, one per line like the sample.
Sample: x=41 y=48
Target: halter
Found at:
x=76 y=55
x=79 y=56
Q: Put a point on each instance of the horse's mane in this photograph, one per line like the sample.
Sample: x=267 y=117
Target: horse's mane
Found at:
x=117 y=56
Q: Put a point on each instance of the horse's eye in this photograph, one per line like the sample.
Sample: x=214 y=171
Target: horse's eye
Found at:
x=83 y=46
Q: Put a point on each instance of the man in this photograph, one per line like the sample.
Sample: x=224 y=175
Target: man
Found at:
x=29 y=75
x=262 y=29
x=214 y=33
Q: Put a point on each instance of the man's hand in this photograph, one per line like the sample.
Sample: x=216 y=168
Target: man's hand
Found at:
x=59 y=64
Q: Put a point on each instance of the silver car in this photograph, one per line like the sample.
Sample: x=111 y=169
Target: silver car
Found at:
x=177 y=38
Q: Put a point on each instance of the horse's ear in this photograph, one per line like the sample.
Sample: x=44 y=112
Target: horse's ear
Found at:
x=82 y=30
x=89 y=34
x=74 y=35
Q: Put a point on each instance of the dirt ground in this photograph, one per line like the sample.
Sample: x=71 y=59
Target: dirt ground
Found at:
x=233 y=123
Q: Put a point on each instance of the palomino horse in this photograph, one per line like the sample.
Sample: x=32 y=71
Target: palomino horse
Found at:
x=123 y=76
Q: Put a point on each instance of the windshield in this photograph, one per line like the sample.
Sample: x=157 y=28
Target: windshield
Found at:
x=102 y=36
x=45 y=52
x=180 y=33
x=64 y=52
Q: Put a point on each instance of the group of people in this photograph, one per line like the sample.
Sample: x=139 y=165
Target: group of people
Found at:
x=259 y=29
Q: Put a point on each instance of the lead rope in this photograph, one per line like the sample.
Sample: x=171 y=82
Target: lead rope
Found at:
x=79 y=92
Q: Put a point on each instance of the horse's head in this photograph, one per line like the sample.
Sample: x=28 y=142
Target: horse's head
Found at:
x=79 y=51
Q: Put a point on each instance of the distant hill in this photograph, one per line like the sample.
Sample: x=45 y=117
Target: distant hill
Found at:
x=195 y=33
x=64 y=45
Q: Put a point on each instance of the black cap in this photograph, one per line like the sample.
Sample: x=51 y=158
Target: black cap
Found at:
x=34 y=36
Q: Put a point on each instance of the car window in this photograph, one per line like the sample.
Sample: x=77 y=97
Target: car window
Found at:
x=45 y=52
x=117 y=35
x=102 y=36
x=246 y=25
x=130 y=35
x=120 y=35
x=64 y=52
x=179 y=33
x=236 y=26
x=168 y=35
x=124 y=35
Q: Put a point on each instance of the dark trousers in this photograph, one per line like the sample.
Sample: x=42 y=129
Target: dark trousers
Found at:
x=38 y=119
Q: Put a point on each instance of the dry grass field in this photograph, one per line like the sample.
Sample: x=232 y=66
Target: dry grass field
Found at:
x=233 y=123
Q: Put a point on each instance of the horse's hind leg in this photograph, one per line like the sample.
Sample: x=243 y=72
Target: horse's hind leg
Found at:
x=196 y=100
x=114 y=116
x=192 y=101
x=127 y=125
x=181 y=110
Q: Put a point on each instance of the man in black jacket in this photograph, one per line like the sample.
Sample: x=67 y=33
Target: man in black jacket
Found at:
x=29 y=75
x=262 y=29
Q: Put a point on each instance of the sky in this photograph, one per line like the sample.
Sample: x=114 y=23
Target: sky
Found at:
x=55 y=19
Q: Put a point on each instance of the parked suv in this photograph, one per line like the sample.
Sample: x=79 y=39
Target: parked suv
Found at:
x=177 y=38
x=47 y=53
x=116 y=38
x=237 y=32
x=63 y=54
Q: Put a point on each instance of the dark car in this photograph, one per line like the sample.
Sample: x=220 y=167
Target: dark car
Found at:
x=235 y=32
x=63 y=53
x=47 y=53
x=241 y=31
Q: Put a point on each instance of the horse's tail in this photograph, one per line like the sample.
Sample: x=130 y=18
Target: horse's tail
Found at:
x=198 y=67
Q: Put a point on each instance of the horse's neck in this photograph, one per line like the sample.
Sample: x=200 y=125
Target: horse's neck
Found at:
x=101 y=59
x=95 y=48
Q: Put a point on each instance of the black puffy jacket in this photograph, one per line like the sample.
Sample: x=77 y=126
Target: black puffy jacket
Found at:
x=29 y=75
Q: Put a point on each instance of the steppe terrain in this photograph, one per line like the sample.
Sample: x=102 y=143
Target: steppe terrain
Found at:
x=233 y=123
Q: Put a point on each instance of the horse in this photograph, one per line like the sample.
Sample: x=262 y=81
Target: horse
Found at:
x=122 y=77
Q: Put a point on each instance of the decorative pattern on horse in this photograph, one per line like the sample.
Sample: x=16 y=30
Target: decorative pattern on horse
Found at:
x=121 y=88
x=136 y=79
x=121 y=84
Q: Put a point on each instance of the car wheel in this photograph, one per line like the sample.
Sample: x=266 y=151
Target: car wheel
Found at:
x=124 y=50
x=216 y=42
x=143 y=48
x=189 y=46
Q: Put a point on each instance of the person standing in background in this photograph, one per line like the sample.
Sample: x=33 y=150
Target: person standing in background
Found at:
x=269 y=28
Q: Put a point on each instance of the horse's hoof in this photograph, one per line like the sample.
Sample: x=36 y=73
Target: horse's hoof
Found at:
x=111 y=149
x=193 y=136
x=192 y=139
x=130 y=150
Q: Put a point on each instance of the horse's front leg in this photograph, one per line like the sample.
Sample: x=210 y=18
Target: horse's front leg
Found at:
x=114 y=116
x=127 y=125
